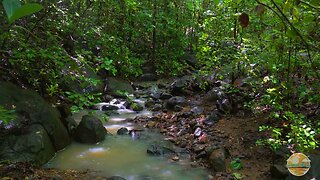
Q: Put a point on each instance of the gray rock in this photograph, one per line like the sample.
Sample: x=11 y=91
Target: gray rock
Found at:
x=279 y=171
x=90 y=130
x=213 y=118
x=224 y=106
x=70 y=84
x=115 y=178
x=197 y=110
x=217 y=160
x=117 y=87
x=32 y=109
x=32 y=145
x=109 y=107
x=176 y=100
x=215 y=94
x=149 y=103
x=179 y=86
x=165 y=95
x=148 y=77
x=123 y=131
x=158 y=150
x=156 y=107
x=107 y=98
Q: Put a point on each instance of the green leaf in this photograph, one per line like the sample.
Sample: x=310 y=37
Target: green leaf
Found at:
x=216 y=2
x=10 y=6
x=25 y=10
x=236 y=164
x=291 y=34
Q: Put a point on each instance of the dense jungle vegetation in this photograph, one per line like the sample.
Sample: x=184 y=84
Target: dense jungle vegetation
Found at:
x=272 y=46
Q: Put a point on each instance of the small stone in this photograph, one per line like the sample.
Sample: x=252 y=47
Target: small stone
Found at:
x=175 y=158
x=165 y=96
x=123 y=131
x=151 y=124
x=197 y=132
x=198 y=148
x=217 y=160
x=203 y=138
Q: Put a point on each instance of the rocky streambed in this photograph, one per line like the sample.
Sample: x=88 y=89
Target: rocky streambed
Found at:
x=165 y=130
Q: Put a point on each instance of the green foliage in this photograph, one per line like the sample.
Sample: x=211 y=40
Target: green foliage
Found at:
x=7 y=115
x=82 y=101
x=235 y=164
x=237 y=176
x=15 y=10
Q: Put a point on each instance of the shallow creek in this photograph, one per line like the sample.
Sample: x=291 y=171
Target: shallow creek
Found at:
x=126 y=156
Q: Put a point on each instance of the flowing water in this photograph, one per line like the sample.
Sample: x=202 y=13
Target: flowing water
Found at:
x=123 y=155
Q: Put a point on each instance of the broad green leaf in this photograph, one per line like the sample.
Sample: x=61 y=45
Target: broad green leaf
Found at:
x=291 y=34
x=216 y=2
x=10 y=6
x=25 y=10
x=278 y=1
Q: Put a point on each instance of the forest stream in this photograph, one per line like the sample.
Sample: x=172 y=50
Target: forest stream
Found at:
x=126 y=155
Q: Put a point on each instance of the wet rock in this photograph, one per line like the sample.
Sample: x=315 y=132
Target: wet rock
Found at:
x=31 y=108
x=158 y=150
x=165 y=96
x=149 y=103
x=115 y=178
x=213 y=118
x=196 y=110
x=279 y=171
x=224 y=106
x=156 y=107
x=217 y=160
x=215 y=94
x=177 y=108
x=179 y=86
x=123 y=131
x=151 y=124
x=201 y=154
x=118 y=88
x=136 y=107
x=107 y=98
x=197 y=148
x=33 y=145
x=175 y=158
x=148 y=77
x=109 y=107
x=71 y=125
x=176 y=100
x=90 y=130
x=135 y=134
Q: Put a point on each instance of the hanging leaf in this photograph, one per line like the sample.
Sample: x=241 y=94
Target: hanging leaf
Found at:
x=260 y=9
x=216 y=2
x=291 y=34
x=25 y=10
x=10 y=6
x=15 y=11
x=244 y=19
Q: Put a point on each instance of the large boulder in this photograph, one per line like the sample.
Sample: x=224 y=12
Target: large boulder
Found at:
x=28 y=145
x=217 y=160
x=118 y=88
x=90 y=130
x=175 y=101
x=69 y=83
x=32 y=109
